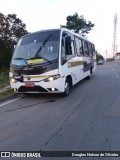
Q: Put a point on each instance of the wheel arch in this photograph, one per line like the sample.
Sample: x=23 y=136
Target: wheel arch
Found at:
x=69 y=78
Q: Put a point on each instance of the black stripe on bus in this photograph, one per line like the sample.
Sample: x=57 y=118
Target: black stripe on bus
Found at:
x=33 y=69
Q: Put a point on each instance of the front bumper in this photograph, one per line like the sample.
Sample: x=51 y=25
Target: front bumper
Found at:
x=56 y=86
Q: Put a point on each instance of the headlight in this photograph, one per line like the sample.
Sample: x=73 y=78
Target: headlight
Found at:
x=51 y=78
x=13 y=80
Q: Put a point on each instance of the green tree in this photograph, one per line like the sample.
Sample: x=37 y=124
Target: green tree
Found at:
x=5 y=40
x=78 y=24
x=17 y=27
x=99 y=56
x=11 y=29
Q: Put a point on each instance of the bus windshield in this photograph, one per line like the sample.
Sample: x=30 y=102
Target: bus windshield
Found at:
x=41 y=45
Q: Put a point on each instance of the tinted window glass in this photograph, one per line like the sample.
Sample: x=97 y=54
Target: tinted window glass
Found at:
x=86 y=51
x=42 y=44
x=93 y=49
x=67 y=46
x=79 y=47
x=90 y=48
x=39 y=37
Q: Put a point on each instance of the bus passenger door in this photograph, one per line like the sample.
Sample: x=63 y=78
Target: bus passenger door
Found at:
x=68 y=57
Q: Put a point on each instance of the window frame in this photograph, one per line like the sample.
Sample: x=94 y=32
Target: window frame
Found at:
x=67 y=56
x=85 y=43
x=79 y=41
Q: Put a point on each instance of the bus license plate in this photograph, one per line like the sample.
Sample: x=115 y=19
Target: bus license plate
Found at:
x=29 y=85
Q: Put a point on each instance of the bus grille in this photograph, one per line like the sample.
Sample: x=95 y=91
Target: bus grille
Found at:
x=32 y=89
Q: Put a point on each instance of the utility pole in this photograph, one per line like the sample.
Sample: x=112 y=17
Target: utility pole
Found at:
x=106 y=53
x=114 y=34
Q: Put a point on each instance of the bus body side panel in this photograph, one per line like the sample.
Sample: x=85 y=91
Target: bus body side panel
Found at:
x=94 y=63
x=87 y=64
x=74 y=68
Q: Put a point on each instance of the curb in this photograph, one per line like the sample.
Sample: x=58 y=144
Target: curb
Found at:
x=13 y=95
x=4 y=89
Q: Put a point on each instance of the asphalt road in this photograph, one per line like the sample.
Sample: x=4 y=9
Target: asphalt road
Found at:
x=87 y=120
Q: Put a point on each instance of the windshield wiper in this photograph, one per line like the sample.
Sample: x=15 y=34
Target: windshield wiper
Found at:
x=43 y=44
x=19 y=58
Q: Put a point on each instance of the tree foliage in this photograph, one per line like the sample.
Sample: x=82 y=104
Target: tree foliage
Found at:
x=17 y=27
x=11 y=29
x=78 y=24
x=99 y=56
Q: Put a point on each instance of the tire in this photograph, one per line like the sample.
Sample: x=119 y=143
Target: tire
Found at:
x=67 y=88
x=89 y=77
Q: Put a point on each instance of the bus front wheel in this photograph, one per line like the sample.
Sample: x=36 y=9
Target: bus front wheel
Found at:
x=67 y=88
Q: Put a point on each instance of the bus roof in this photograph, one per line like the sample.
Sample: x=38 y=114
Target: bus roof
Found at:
x=58 y=29
x=76 y=34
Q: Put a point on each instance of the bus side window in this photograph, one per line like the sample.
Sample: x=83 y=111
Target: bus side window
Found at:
x=90 y=49
x=85 y=46
x=67 y=48
x=79 y=47
x=73 y=47
x=63 y=56
x=93 y=49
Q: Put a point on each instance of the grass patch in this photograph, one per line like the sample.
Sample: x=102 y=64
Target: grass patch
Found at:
x=6 y=93
x=4 y=78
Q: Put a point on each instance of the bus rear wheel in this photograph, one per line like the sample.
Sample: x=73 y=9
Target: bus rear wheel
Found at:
x=90 y=75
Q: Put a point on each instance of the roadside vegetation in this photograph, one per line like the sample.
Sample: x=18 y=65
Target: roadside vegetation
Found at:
x=99 y=57
x=6 y=93
x=4 y=78
x=11 y=29
x=78 y=24
x=4 y=82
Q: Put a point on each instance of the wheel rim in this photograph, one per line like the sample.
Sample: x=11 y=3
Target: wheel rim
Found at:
x=67 y=88
x=90 y=75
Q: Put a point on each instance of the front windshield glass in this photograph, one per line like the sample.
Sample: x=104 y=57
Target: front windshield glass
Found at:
x=42 y=45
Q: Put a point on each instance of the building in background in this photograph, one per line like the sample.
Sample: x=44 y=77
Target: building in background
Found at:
x=117 y=56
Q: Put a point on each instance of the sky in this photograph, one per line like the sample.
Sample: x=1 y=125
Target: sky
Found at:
x=47 y=14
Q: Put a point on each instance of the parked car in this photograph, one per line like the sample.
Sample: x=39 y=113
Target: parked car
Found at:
x=101 y=61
